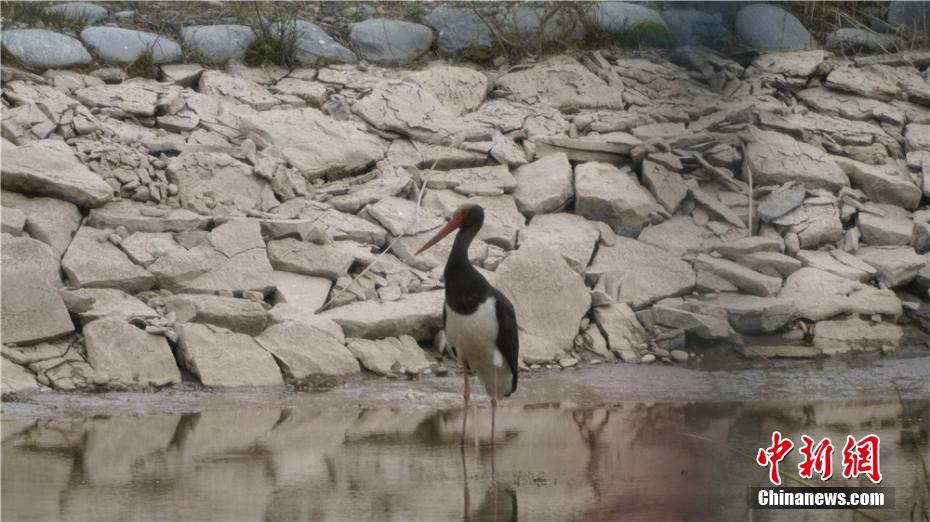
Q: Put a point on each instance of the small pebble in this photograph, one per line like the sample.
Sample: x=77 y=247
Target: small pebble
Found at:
x=648 y=358
x=680 y=355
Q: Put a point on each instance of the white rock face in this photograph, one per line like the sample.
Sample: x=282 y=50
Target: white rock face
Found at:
x=129 y=356
x=92 y=261
x=418 y=315
x=545 y=185
x=315 y=144
x=574 y=237
x=640 y=274
x=307 y=353
x=605 y=193
x=547 y=326
x=562 y=83
x=49 y=168
x=392 y=356
x=776 y=158
x=219 y=357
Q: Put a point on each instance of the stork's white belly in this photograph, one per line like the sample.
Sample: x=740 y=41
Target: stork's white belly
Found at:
x=474 y=338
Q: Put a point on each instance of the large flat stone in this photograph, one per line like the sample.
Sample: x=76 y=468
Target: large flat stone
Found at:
x=130 y=357
x=50 y=168
x=305 y=293
x=124 y=46
x=51 y=221
x=574 y=237
x=605 y=193
x=643 y=273
x=745 y=279
x=855 y=334
x=304 y=257
x=306 y=353
x=548 y=326
x=818 y=295
x=748 y=313
x=90 y=262
x=16 y=379
x=883 y=184
x=563 y=83
x=545 y=185
x=418 y=315
x=239 y=315
x=112 y=303
x=776 y=158
x=314 y=143
x=26 y=254
x=32 y=310
x=392 y=356
x=219 y=357
x=137 y=217
x=896 y=265
x=43 y=49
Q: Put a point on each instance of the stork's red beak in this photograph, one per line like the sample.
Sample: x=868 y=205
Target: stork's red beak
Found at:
x=453 y=224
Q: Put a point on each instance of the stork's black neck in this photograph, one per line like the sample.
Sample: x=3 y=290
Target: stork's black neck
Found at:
x=466 y=288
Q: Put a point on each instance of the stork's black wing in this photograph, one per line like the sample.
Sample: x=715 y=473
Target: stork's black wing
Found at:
x=508 y=338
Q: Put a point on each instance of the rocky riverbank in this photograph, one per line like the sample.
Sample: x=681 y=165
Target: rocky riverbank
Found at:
x=256 y=226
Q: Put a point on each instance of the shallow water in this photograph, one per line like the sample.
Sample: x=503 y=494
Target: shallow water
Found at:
x=604 y=443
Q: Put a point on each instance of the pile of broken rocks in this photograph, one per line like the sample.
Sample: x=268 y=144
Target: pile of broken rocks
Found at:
x=257 y=226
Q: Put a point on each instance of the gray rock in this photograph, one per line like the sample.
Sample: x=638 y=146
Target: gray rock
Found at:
x=562 y=83
x=896 y=265
x=815 y=225
x=410 y=110
x=769 y=263
x=894 y=228
x=708 y=327
x=341 y=226
x=83 y=12
x=747 y=313
x=543 y=186
x=110 y=303
x=882 y=82
x=248 y=270
x=749 y=245
x=418 y=315
x=124 y=46
x=219 y=357
x=780 y=201
x=853 y=39
x=41 y=49
x=92 y=261
x=26 y=123
x=184 y=75
x=745 y=279
x=797 y=63
x=716 y=208
x=918 y=137
x=49 y=220
x=623 y=16
x=305 y=293
x=605 y=193
x=216 y=183
x=316 y=47
x=218 y=43
x=16 y=379
x=815 y=295
x=850 y=106
x=915 y=15
x=822 y=260
x=307 y=354
x=574 y=237
x=855 y=334
x=691 y=27
x=402 y=216
x=494 y=180
x=666 y=185
x=26 y=254
x=137 y=217
x=776 y=158
x=390 y=41
x=302 y=257
x=708 y=283
x=32 y=310
x=238 y=89
x=459 y=89
x=391 y=356
x=643 y=273
x=50 y=168
x=315 y=144
x=623 y=331
x=459 y=29
x=680 y=236
x=548 y=326
x=239 y=315
x=13 y=220
x=882 y=183
x=145 y=247
x=130 y=357
x=770 y=28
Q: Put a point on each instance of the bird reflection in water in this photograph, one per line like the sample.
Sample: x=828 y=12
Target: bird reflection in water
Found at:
x=499 y=502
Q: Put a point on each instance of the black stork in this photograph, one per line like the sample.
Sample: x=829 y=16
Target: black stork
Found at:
x=479 y=320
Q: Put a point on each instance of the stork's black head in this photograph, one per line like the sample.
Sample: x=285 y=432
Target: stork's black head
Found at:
x=468 y=217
